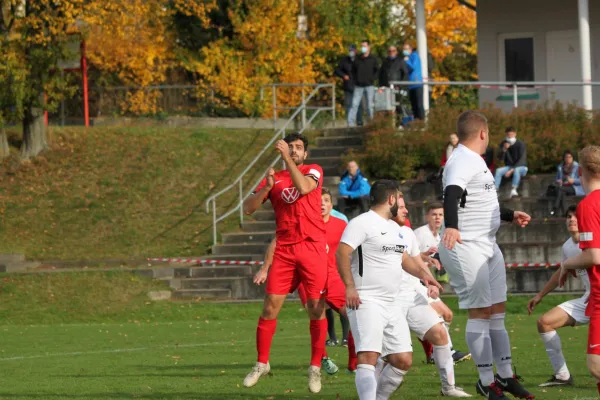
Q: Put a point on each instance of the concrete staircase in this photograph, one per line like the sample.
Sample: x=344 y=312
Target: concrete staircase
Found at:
x=541 y=241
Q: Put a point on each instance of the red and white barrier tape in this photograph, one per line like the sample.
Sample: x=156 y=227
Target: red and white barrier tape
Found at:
x=236 y=262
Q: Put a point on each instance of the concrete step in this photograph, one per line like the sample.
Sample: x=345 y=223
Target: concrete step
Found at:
x=19 y=266
x=239 y=257
x=531 y=280
x=11 y=258
x=234 y=249
x=333 y=161
x=239 y=287
x=216 y=271
x=533 y=252
x=345 y=141
x=247 y=237
x=202 y=294
x=256 y=226
x=264 y=215
x=323 y=151
x=345 y=131
x=333 y=170
x=331 y=180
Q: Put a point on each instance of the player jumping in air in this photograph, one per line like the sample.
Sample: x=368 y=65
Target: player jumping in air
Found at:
x=588 y=220
x=336 y=291
x=300 y=255
x=473 y=260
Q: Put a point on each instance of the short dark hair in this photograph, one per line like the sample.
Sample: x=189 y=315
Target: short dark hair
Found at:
x=510 y=129
x=568 y=152
x=571 y=210
x=469 y=124
x=365 y=41
x=434 y=206
x=292 y=137
x=327 y=192
x=381 y=190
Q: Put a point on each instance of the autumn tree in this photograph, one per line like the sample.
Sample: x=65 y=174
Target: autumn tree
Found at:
x=33 y=38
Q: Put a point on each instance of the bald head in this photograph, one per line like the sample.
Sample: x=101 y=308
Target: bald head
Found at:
x=470 y=124
x=352 y=168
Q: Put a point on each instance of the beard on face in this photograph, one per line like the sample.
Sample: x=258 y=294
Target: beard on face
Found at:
x=394 y=210
x=297 y=160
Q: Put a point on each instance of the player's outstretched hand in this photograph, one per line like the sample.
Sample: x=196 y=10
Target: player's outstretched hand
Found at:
x=283 y=148
x=436 y=263
x=270 y=177
x=532 y=303
x=352 y=299
x=433 y=283
x=433 y=292
x=260 y=277
x=451 y=237
x=522 y=219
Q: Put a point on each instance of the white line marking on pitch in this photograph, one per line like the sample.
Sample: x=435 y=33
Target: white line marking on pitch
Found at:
x=133 y=349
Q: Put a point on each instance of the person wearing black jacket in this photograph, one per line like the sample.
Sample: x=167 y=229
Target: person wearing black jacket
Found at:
x=365 y=71
x=393 y=68
x=345 y=71
x=514 y=154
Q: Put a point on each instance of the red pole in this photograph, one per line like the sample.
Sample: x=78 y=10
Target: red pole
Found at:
x=45 y=111
x=86 y=111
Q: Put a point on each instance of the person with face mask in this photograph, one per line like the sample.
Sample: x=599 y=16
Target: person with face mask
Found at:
x=344 y=71
x=393 y=68
x=513 y=153
x=365 y=69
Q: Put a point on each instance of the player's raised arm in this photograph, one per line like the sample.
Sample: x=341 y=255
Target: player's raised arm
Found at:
x=416 y=267
x=304 y=183
x=253 y=202
x=261 y=275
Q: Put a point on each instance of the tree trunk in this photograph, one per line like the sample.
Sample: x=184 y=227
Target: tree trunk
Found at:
x=34 y=133
x=4 y=150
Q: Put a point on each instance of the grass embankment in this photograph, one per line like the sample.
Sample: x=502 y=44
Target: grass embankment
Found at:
x=123 y=192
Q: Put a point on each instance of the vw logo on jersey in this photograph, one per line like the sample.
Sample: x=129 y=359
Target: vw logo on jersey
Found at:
x=290 y=195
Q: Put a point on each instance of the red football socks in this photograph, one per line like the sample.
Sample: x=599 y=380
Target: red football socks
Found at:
x=427 y=347
x=352 y=358
x=318 y=335
x=264 y=336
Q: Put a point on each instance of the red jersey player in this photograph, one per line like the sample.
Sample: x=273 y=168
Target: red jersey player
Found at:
x=588 y=219
x=336 y=291
x=300 y=254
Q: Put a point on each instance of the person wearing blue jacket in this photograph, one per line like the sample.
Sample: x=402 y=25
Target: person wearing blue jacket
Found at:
x=415 y=92
x=354 y=189
x=567 y=183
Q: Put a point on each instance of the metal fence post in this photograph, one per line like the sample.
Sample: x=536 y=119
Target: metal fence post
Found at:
x=241 y=204
x=515 y=96
x=333 y=104
x=274 y=90
x=303 y=108
x=214 y=207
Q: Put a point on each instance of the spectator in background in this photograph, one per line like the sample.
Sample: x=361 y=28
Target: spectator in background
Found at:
x=345 y=71
x=452 y=144
x=567 y=183
x=428 y=237
x=393 y=68
x=353 y=189
x=415 y=92
x=366 y=67
x=513 y=153
x=489 y=159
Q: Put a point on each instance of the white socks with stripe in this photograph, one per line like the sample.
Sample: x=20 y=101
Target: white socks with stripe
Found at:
x=366 y=384
x=501 y=346
x=480 y=345
x=445 y=364
x=389 y=381
x=554 y=350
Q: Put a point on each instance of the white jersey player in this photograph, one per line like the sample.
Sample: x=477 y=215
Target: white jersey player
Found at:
x=473 y=260
x=569 y=313
x=371 y=258
x=422 y=319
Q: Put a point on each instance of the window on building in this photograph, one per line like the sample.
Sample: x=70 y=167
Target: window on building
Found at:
x=518 y=59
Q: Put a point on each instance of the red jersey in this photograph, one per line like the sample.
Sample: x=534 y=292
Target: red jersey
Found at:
x=334 y=229
x=407 y=223
x=588 y=220
x=298 y=217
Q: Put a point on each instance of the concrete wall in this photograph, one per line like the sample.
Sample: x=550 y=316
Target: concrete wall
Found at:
x=495 y=17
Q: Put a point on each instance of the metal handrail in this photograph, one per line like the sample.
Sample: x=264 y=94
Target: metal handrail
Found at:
x=212 y=200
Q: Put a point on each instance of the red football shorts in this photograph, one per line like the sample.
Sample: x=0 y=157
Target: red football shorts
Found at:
x=594 y=335
x=304 y=262
x=335 y=296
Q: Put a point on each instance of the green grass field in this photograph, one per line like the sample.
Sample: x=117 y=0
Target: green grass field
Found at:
x=118 y=345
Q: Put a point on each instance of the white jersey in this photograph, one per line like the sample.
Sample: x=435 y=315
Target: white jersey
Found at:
x=412 y=249
x=426 y=239
x=571 y=249
x=377 y=260
x=479 y=209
